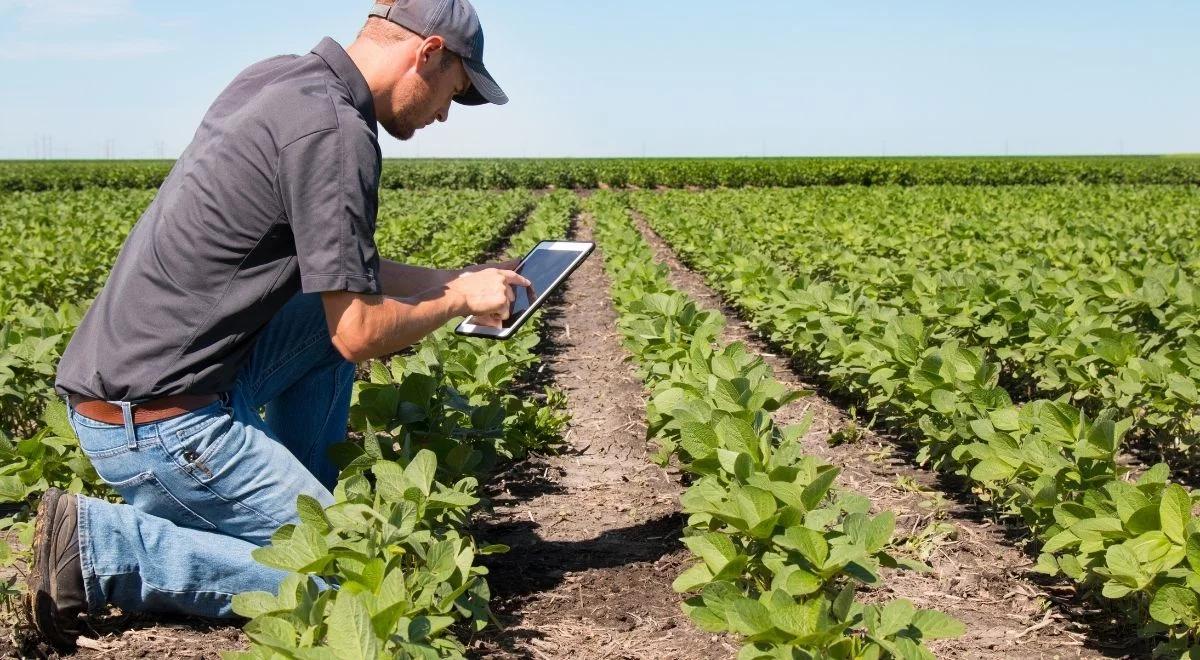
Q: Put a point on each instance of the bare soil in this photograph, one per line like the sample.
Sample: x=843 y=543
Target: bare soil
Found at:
x=979 y=575
x=595 y=530
x=135 y=636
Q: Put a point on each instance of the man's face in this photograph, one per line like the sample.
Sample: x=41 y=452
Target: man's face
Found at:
x=424 y=93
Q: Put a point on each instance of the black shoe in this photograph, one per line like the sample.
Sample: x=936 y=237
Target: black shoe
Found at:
x=56 y=597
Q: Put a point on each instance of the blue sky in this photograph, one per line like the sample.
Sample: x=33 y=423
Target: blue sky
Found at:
x=621 y=78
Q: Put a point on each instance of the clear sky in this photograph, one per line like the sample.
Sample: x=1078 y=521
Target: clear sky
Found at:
x=126 y=78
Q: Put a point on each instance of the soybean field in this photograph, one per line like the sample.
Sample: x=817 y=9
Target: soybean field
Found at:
x=789 y=408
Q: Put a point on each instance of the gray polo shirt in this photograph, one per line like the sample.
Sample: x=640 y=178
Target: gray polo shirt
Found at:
x=277 y=193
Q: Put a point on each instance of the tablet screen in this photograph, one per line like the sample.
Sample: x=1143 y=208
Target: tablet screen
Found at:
x=541 y=268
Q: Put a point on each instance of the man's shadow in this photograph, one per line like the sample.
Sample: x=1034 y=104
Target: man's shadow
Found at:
x=541 y=564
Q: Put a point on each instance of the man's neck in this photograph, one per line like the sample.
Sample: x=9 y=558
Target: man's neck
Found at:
x=374 y=62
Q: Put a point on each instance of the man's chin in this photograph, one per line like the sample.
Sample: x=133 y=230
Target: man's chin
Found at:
x=400 y=132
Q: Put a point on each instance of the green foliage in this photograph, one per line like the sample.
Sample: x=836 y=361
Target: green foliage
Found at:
x=28 y=466
x=1050 y=462
x=780 y=549
x=52 y=457
x=453 y=393
x=432 y=421
x=1080 y=292
x=63 y=245
x=408 y=222
x=392 y=542
x=494 y=173
x=69 y=240
x=465 y=224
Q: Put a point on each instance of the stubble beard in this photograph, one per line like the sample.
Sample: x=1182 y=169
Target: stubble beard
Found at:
x=402 y=126
x=402 y=132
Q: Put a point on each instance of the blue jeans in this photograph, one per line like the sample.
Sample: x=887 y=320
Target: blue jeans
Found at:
x=207 y=487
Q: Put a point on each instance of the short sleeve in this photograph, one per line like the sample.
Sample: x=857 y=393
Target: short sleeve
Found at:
x=328 y=186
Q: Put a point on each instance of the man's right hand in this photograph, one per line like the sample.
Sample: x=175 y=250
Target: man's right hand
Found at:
x=487 y=294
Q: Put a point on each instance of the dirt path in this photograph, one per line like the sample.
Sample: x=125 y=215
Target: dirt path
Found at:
x=978 y=575
x=134 y=636
x=594 y=531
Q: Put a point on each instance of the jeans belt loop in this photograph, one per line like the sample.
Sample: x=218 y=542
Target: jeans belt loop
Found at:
x=127 y=416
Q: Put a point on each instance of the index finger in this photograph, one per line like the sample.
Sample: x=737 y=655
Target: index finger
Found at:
x=511 y=278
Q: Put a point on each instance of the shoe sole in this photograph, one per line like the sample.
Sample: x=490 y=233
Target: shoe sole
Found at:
x=39 y=605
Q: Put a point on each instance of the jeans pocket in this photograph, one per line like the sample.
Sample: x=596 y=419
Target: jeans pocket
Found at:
x=146 y=493
x=195 y=447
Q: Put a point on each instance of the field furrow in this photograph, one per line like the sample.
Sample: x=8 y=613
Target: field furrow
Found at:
x=978 y=575
x=594 y=530
x=1054 y=466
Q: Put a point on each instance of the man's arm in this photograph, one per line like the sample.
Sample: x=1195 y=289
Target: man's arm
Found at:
x=364 y=326
x=399 y=280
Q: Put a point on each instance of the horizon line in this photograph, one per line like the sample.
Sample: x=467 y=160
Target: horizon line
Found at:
x=1180 y=154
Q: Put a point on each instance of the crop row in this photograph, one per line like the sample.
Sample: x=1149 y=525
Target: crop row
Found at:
x=1046 y=462
x=781 y=551
x=669 y=172
x=1086 y=292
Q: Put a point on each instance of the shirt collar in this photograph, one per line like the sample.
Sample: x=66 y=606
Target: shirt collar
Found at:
x=347 y=71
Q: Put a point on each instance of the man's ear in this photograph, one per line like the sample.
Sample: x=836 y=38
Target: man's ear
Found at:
x=429 y=50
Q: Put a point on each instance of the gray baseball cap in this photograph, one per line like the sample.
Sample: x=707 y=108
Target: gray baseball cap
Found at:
x=457 y=23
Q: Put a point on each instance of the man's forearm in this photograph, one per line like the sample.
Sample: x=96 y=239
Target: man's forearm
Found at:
x=402 y=280
x=387 y=325
x=367 y=326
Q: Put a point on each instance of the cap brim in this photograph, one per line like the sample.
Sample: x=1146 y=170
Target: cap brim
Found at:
x=483 y=86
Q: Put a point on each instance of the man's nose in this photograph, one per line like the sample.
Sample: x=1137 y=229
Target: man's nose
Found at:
x=444 y=114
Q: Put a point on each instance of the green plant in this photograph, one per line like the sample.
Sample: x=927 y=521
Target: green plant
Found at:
x=28 y=467
x=1052 y=463
x=394 y=543
x=780 y=551
x=848 y=433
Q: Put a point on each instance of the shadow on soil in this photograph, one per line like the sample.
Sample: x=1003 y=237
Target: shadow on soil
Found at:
x=535 y=564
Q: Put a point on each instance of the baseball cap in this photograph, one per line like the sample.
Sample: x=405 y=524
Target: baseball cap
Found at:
x=457 y=23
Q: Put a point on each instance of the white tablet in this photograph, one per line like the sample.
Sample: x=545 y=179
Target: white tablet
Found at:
x=547 y=266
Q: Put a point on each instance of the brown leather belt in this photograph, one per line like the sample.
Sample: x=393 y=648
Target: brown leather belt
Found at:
x=143 y=413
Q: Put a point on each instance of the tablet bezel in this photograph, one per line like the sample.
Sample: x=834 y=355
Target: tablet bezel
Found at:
x=581 y=248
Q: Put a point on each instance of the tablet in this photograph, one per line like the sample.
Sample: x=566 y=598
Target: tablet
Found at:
x=547 y=266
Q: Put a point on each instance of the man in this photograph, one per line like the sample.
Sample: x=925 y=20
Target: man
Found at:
x=251 y=281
